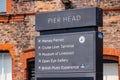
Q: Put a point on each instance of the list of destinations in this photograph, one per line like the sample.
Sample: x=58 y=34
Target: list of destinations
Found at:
x=69 y=52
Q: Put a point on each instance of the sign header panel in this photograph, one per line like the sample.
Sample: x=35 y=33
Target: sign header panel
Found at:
x=73 y=18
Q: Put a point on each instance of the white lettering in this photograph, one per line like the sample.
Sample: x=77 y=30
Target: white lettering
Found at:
x=67 y=53
x=46 y=68
x=46 y=47
x=65 y=19
x=55 y=67
x=47 y=54
x=45 y=61
x=53 y=60
x=54 y=20
x=58 y=40
x=47 y=41
x=55 y=47
x=69 y=67
x=72 y=18
x=67 y=46
x=62 y=60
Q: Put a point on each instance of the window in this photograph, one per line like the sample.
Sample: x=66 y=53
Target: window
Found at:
x=2 y=5
x=110 y=70
x=31 y=69
x=5 y=66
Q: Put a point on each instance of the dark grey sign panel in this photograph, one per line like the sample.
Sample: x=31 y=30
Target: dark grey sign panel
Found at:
x=81 y=78
x=69 y=52
x=73 y=18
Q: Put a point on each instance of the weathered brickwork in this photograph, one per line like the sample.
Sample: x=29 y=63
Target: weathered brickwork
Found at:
x=109 y=3
x=22 y=34
x=33 y=6
x=100 y=3
x=111 y=29
x=53 y=5
x=23 y=7
x=27 y=6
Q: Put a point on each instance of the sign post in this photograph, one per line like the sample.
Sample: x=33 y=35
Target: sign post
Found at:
x=70 y=46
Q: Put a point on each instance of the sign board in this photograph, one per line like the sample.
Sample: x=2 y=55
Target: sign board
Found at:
x=73 y=18
x=68 y=52
x=81 y=78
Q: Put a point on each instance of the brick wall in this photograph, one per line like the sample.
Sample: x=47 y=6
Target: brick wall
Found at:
x=21 y=33
x=30 y=6
x=22 y=36
x=111 y=29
